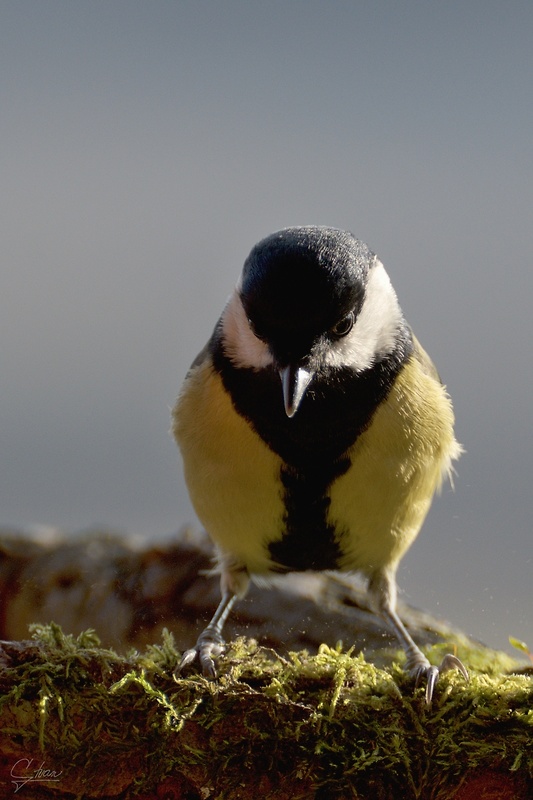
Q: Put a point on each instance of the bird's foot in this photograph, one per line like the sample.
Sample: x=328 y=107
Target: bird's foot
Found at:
x=209 y=646
x=423 y=670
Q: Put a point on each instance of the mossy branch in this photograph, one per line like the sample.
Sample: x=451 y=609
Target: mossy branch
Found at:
x=328 y=725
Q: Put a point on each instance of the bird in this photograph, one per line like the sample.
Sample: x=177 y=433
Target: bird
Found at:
x=314 y=430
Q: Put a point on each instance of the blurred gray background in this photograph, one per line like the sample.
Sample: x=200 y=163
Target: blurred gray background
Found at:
x=146 y=146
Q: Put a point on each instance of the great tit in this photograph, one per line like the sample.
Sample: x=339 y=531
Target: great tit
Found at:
x=314 y=428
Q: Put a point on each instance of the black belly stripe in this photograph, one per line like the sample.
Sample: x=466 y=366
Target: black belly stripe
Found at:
x=309 y=541
x=312 y=444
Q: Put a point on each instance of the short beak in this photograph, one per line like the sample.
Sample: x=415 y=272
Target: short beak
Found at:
x=294 y=381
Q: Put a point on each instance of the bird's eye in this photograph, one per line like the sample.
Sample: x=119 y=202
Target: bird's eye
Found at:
x=254 y=329
x=344 y=326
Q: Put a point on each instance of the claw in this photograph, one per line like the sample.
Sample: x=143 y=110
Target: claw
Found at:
x=432 y=674
x=209 y=646
x=452 y=662
x=210 y=643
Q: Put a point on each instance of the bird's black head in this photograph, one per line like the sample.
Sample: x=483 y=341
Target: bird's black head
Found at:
x=300 y=284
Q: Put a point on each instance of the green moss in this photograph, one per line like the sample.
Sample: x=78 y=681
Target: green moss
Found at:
x=331 y=722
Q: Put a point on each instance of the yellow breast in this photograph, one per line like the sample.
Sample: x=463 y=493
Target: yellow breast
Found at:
x=398 y=463
x=377 y=506
x=232 y=476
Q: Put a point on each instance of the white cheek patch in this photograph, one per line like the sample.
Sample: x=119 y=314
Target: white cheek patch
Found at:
x=372 y=336
x=240 y=344
x=376 y=327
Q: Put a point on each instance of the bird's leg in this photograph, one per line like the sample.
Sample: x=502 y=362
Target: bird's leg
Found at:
x=234 y=582
x=210 y=643
x=382 y=594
